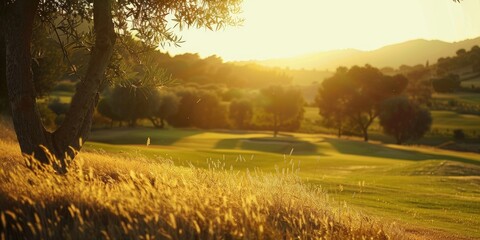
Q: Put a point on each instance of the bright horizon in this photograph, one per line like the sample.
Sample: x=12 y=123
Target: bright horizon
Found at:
x=282 y=28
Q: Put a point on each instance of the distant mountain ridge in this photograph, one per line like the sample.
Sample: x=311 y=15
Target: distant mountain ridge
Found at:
x=409 y=53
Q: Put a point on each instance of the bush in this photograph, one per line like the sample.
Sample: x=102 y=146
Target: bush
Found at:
x=58 y=107
x=458 y=134
x=47 y=115
x=404 y=120
x=241 y=112
x=199 y=108
x=446 y=84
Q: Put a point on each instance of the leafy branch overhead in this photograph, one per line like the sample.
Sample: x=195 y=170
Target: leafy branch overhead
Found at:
x=151 y=21
x=95 y=26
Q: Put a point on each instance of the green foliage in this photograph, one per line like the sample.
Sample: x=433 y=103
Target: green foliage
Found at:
x=446 y=84
x=47 y=64
x=333 y=100
x=283 y=107
x=241 y=112
x=105 y=108
x=162 y=105
x=47 y=60
x=458 y=134
x=404 y=120
x=130 y=103
x=190 y=68
x=350 y=99
x=188 y=100
x=72 y=19
x=199 y=108
x=232 y=94
x=209 y=112
x=46 y=115
x=419 y=88
x=58 y=107
x=463 y=59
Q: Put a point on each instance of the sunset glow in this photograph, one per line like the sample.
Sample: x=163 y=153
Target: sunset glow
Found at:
x=281 y=28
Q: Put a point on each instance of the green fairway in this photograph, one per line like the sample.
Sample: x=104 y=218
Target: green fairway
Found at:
x=420 y=186
x=450 y=120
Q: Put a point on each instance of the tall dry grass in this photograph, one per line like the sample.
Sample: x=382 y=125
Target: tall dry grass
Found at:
x=130 y=197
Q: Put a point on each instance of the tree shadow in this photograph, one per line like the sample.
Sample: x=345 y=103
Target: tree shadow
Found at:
x=278 y=145
x=376 y=150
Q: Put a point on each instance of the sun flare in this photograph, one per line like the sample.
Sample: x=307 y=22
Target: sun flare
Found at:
x=280 y=28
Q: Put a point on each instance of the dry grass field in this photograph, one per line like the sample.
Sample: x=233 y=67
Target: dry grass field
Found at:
x=132 y=197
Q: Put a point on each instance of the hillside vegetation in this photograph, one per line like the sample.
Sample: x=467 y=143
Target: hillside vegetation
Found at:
x=132 y=197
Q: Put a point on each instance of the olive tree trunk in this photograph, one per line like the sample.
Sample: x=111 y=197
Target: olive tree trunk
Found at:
x=3 y=63
x=31 y=134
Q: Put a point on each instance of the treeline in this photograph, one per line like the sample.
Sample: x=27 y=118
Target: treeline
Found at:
x=464 y=60
x=350 y=101
x=451 y=71
x=276 y=108
x=132 y=57
x=190 y=68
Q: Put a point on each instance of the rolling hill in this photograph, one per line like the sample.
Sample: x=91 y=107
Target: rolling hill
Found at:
x=411 y=53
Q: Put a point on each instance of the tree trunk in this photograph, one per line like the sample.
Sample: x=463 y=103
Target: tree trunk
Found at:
x=28 y=126
x=365 y=134
x=162 y=123
x=3 y=62
x=74 y=131
x=399 y=138
x=157 y=123
x=132 y=123
x=78 y=121
x=275 y=125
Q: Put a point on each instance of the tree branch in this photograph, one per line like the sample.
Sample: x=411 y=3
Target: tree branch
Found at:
x=85 y=99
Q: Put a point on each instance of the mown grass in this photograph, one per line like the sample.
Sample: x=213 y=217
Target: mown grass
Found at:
x=420 y=186
x=127 y=196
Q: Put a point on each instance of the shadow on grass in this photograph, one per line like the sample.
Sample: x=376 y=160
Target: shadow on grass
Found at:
x=139 y=135
x=279 y=145
x=374 y=150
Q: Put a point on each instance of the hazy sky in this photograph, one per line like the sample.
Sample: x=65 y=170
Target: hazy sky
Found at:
x=282 y=28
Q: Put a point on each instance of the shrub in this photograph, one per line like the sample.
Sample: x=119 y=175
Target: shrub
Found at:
x=458 y=134
x=404 y=120
x=58 y=107
x=47 y=115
